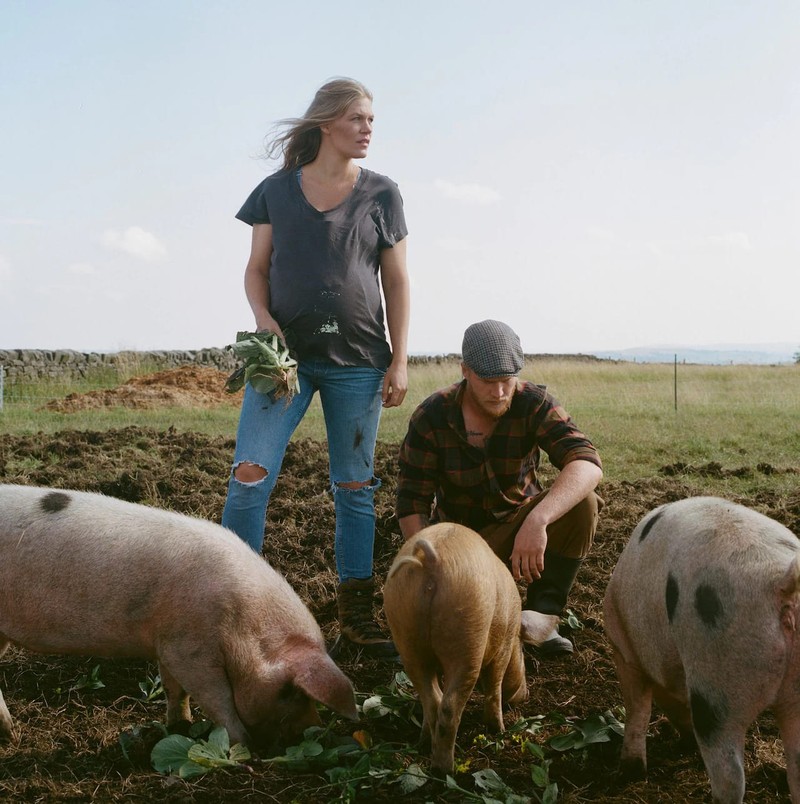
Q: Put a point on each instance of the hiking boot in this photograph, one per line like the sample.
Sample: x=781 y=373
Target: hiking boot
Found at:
x=357 y=624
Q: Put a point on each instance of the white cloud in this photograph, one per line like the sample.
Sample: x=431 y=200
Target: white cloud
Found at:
x=467 y=193
x=733 y=240
x=136 y=241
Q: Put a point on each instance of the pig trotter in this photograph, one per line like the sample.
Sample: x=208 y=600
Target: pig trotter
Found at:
x=632 y=769
x=6 y=723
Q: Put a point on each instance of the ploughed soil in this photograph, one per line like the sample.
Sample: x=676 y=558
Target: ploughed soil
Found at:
x=68 y=746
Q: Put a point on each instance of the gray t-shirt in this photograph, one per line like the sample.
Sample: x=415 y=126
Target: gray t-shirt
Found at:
x=324 y=278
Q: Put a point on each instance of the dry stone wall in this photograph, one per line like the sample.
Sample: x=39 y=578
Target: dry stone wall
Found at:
x=22 y=365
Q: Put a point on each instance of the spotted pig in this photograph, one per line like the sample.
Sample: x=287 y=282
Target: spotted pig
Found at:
x=86 y=574
x=702 y=614
x=454 y=611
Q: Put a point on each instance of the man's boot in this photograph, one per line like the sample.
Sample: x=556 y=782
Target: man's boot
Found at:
x=357 y=625
x=545 y=603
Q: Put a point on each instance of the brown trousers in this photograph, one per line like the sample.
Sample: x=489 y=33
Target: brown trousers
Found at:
x=570 y=536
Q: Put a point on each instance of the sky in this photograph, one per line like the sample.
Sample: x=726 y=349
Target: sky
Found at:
x=599 y=175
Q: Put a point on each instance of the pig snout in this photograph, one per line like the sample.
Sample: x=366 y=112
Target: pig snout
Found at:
x=454 y=612
x=701 y=615
x=82 y=573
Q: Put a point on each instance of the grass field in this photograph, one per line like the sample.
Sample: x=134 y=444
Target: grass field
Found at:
x=642 y=417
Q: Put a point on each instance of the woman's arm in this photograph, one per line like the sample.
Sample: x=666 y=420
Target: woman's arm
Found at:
x=256 y=278
x=394 y=279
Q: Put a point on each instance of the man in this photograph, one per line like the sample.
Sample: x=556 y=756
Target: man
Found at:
x=471 y=455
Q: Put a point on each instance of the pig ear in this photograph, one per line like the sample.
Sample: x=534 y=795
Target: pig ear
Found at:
x=322 y=680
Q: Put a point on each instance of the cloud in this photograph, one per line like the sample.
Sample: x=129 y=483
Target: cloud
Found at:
x=467 y=193
x=136 y=241
x=732 y=240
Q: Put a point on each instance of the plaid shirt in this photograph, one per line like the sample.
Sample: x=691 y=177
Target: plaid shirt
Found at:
x=442 y=476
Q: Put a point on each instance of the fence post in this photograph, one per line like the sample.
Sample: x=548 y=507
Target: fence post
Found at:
x=675 y=382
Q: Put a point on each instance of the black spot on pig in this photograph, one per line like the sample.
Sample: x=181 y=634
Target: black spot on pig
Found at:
x=708 y=605
x=649 y=525
x=54 y=501
x=671 y=596
x=707 y=718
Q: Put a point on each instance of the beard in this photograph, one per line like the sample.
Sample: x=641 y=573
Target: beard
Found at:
x=497 y=411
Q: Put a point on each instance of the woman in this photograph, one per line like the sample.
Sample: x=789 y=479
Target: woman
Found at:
x=327 y=236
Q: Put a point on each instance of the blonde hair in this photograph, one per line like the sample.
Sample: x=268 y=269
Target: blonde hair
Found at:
x=299 y=144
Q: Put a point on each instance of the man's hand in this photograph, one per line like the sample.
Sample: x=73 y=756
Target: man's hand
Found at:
x=527 y=557
x=412 y=524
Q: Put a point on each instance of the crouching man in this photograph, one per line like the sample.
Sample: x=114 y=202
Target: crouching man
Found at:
x=471 y=455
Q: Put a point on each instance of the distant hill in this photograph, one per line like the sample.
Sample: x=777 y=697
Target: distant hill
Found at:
x=719 y=354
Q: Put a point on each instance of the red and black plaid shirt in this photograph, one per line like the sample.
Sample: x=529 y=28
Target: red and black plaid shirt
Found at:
x=441 y=471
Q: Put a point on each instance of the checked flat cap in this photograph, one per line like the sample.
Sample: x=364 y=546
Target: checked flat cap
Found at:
x=492 y=349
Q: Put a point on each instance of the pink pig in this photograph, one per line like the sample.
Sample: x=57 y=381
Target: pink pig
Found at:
x=702 y=614
x=87 y=574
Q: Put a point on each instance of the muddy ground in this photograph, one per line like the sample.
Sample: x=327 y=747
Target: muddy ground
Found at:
x=68 y=747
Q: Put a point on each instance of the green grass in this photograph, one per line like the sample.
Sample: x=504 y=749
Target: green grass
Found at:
x=737 y=416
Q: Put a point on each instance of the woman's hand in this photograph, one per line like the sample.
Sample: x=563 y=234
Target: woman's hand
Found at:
x=266 y=323
x=395 y=384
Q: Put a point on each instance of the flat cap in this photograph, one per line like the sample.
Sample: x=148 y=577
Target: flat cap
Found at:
x=492 y=349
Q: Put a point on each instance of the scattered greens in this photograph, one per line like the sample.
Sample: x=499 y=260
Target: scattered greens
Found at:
x=354 y=768
x=186 y=757
x=594 y=729
x=89 y=681
x=151 y=687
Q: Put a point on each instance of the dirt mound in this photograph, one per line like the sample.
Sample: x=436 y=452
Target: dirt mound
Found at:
x=183 y=387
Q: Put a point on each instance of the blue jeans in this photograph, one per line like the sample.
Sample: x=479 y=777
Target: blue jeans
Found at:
x=351 y=404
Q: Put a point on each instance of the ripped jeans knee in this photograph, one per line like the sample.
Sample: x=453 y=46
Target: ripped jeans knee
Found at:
x=248 y=472
x=249 y=488
x=354 y=502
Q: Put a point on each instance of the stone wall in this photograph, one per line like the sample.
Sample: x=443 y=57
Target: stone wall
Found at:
x=22 y=365
x=64 y=364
